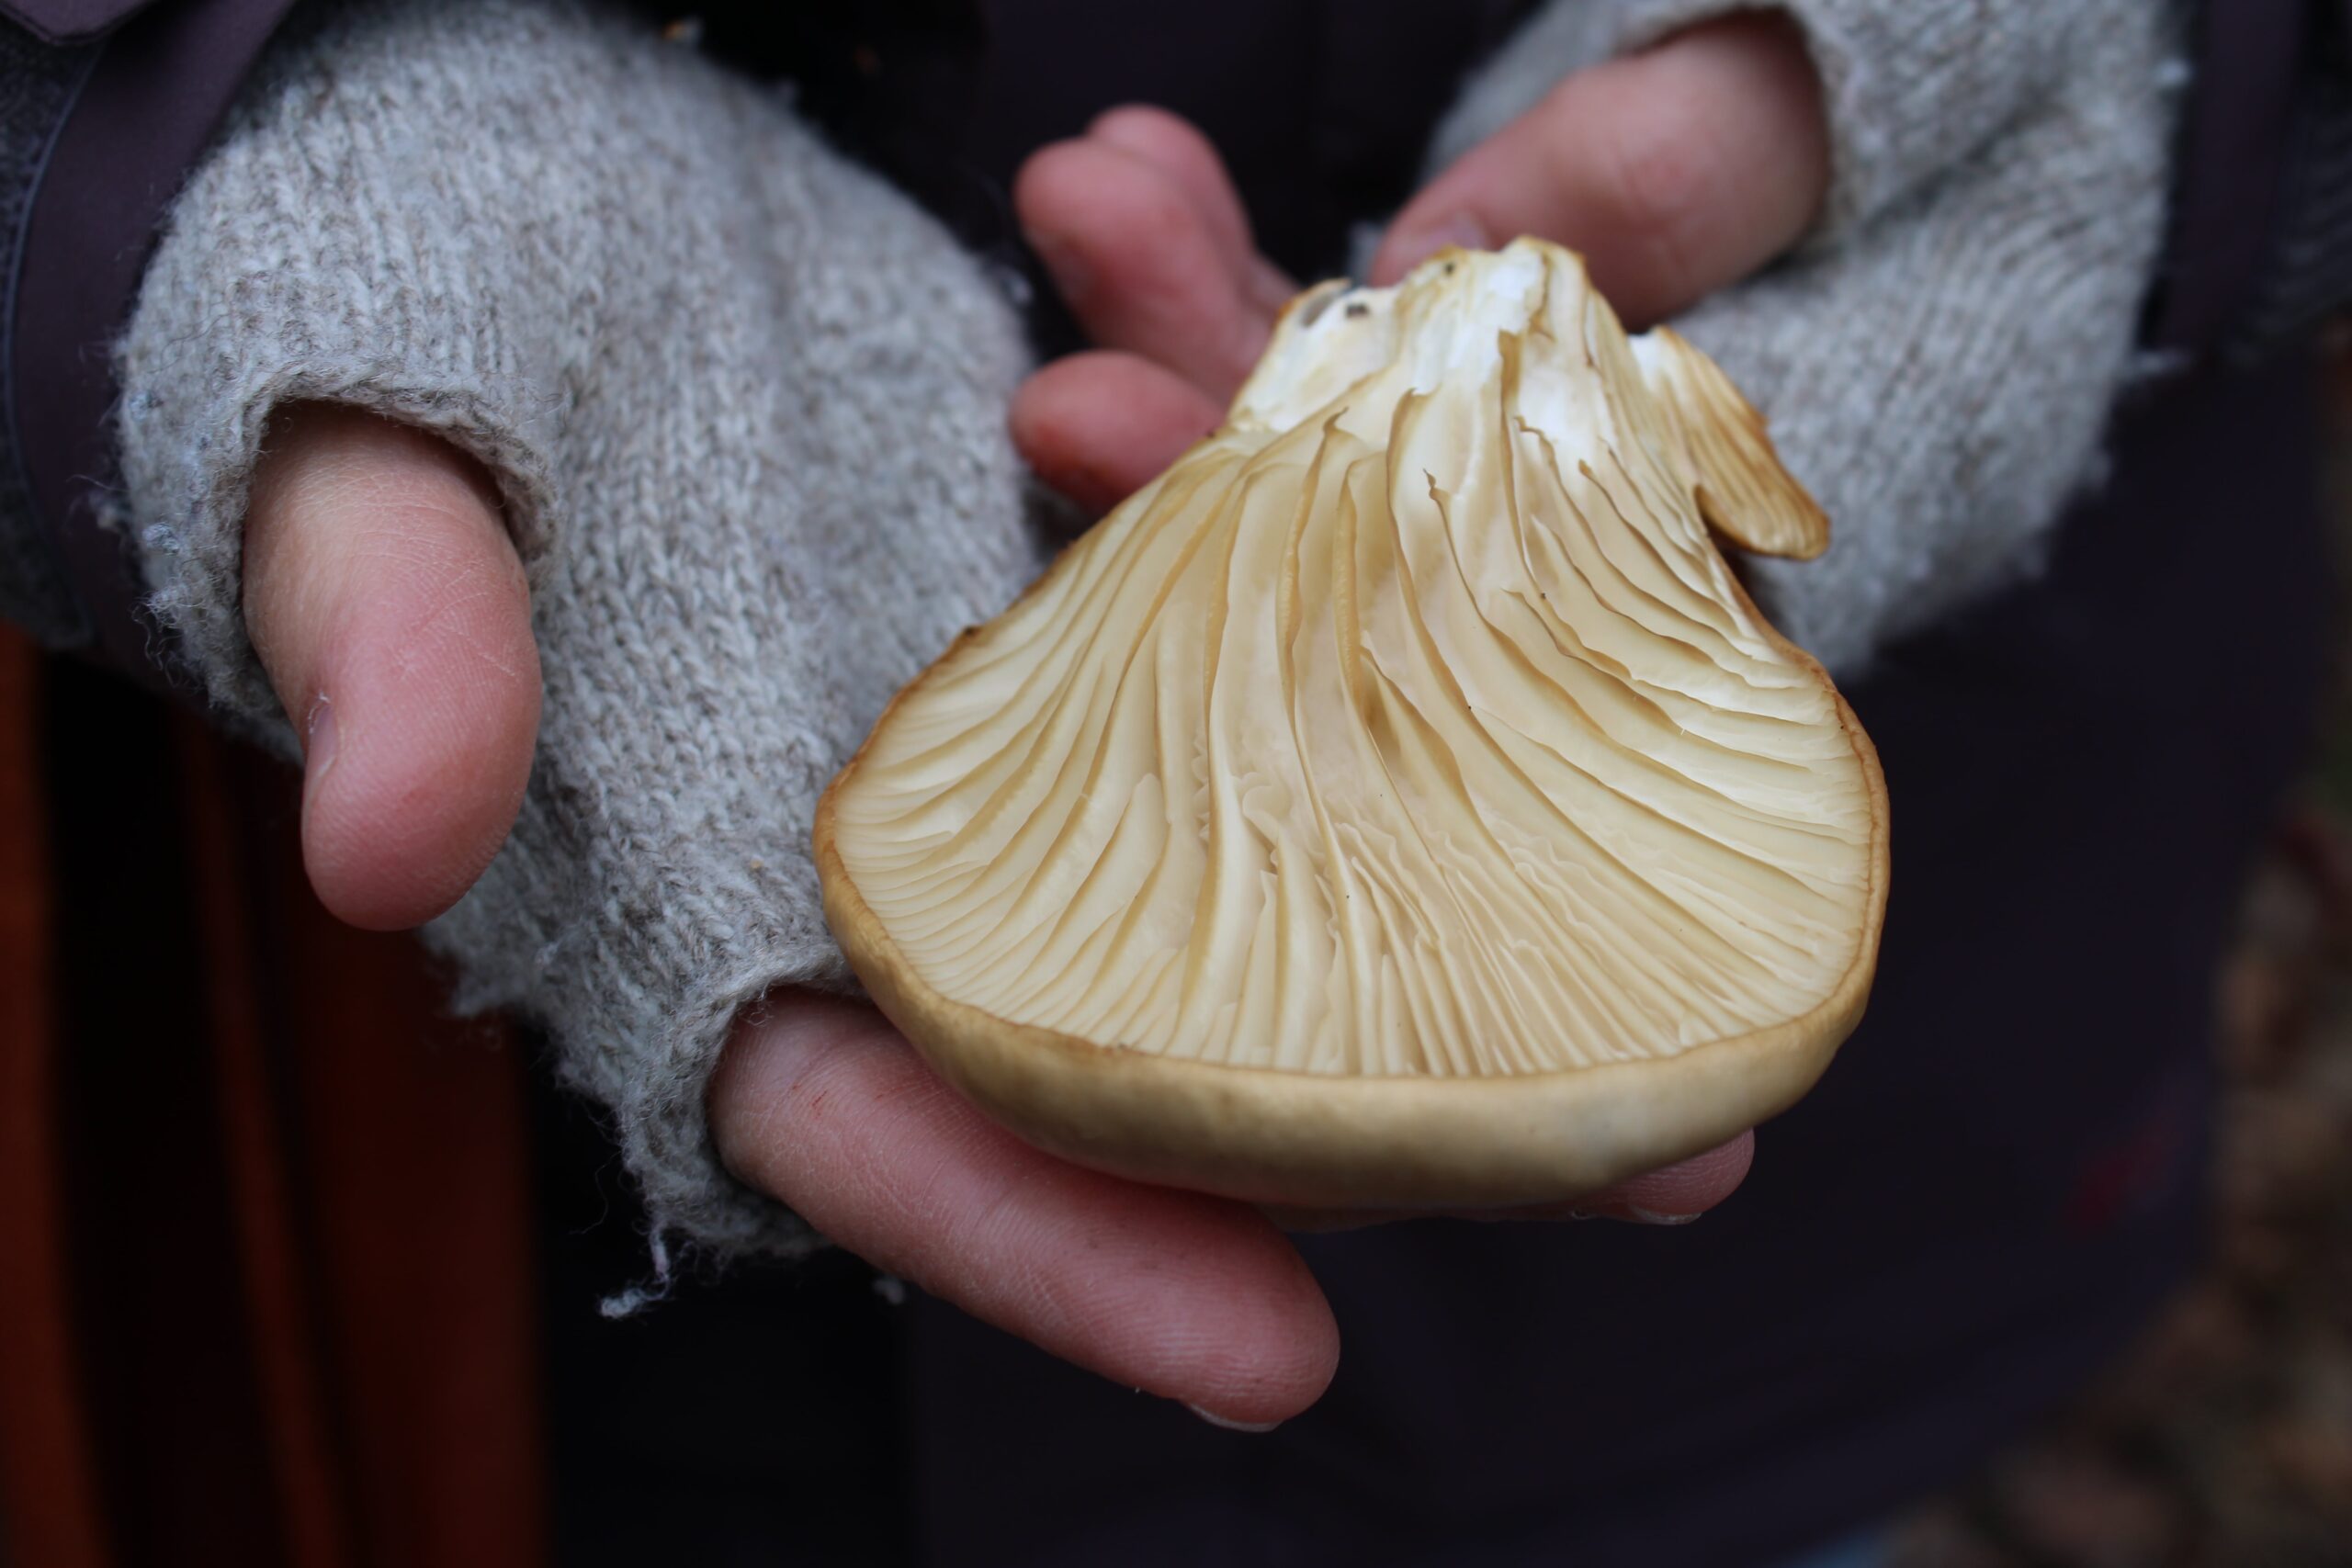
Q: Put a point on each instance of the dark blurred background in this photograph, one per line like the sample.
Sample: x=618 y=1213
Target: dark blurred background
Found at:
x=2223 y=1439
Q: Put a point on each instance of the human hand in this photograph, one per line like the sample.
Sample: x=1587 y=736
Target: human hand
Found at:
x=1676 y=172
x=379 y=580
x=379 y=574
x=822 y=1104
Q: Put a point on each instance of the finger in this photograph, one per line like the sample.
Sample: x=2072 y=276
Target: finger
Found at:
x=1675 y=172
x=821 y=1103
x=1174 y=146
x=1099 y=426
x=386 y=601
x=1675 y=1195
x=1137 y=264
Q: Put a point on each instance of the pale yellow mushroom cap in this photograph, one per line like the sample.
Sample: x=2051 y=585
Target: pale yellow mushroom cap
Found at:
x=1396 y=803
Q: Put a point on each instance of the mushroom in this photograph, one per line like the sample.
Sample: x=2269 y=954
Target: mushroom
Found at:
x=1397 y=803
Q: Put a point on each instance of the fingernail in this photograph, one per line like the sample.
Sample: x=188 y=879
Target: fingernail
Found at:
x=1071 y=274
x=318 y=741
x=1213 y=1419
x=1461 y=229
x=1642 y=1217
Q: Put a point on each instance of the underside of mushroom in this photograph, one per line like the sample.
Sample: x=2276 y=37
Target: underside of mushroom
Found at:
x=1398 y=801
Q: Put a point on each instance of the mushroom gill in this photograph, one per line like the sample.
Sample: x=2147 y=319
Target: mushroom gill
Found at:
x=1398 y=802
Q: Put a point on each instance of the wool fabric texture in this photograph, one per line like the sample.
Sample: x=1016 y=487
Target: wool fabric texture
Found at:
x=745 y=407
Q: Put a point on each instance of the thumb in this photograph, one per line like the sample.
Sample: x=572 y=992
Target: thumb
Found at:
x=1676 y=171
x=388 y=607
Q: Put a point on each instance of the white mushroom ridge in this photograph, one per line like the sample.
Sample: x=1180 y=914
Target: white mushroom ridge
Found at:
x=1409 y=725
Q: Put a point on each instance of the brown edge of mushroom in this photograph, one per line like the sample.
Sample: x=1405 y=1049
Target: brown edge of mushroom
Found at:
x=1327 y=1141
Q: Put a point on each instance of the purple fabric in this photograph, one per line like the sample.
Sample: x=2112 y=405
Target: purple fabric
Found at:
x=70 y=21
x=141 y=123
x=44 y=81
x=2230 y=167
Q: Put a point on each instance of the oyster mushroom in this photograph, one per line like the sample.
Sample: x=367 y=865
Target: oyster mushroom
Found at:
x=1398 y=803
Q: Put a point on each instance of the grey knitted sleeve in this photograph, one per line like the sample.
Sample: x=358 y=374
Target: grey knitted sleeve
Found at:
x=1938 y=362
x=746 y=408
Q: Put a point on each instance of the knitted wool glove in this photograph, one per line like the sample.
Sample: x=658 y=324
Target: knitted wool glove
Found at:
x=1937 y=361
x=745 y=406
